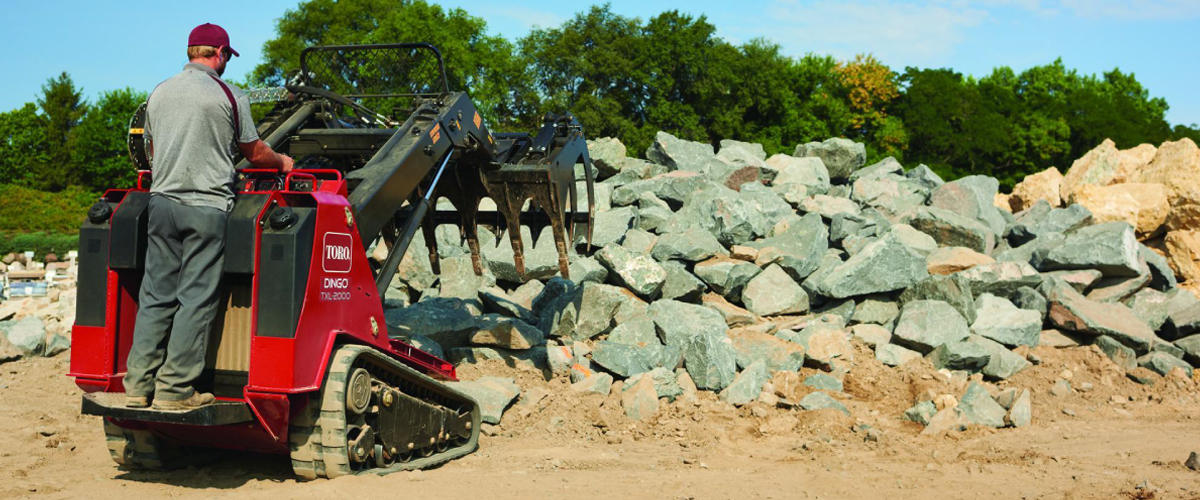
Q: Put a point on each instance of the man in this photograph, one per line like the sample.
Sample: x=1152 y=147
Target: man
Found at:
x=193 y=122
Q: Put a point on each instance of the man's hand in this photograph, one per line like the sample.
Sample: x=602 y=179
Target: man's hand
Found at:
x=261 y=156
x=285 y=163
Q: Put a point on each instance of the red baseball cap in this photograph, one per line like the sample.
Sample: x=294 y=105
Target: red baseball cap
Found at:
x=211 y=35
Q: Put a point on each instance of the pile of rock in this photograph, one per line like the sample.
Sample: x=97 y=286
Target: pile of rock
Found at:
x=719 y=270
x=31 y=327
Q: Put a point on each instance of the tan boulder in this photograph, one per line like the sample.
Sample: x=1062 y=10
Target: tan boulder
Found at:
x=1002 y=201
x=1132 y=161
x=1043 y=185
x=1176 y=165
x=1183 y=252
x=948 y=260
x=1096 y=167
x=1185 y=211
x=1143 y=206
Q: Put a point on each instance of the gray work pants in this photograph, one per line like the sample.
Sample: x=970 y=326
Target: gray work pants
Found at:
x=180 y=294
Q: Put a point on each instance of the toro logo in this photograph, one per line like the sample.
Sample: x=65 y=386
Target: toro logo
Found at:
x=335 y=254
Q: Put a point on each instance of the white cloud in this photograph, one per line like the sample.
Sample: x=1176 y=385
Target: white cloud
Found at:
x=1134 y=9
x=901 y=33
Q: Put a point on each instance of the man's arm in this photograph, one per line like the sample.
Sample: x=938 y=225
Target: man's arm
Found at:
x=262 y=156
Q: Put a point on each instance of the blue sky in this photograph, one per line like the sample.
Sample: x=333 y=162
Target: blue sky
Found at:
x=137 y=43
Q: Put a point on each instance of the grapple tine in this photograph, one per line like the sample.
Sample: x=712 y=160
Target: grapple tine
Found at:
x=469 y=227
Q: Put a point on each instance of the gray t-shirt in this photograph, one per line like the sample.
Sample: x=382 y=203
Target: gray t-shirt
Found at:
x=189 y=123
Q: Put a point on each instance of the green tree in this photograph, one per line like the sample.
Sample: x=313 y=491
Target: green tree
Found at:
x=100 y=153
x=23 y=146
x=62 y=107
x=486 y=66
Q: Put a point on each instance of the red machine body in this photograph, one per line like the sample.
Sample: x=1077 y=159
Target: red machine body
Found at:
x=340 y=306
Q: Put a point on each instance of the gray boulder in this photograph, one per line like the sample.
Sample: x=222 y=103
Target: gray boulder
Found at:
x=502 y=331
x=841 y=156
x=493 y=394
x=1111 y=248
x=679 y=154
x=681 y=284
x=448 y=322
x=1002 y=363
x=747 y=385
x=926 y=324
x=1162 y=363
x=894 y=355
x=882 y=266
x=1162 y=278
x=807 y=172
x=1001 y=279
x=27 y=335
x=823 y=382
x=637 y=272
x=597 y=383
x=798 y=250
x=541 y=257
x=692 y=245
x=951 y=289
x=1040 y=220
x=777 y=354
x=968 y=356
x=1071 y=311
x=1120 y=355
x=998 y=319
x=640 y=399
x=710 y=359
x=925 y=176
x=588 y=310
x=726 y=276
x=973 y=197
x=877 y=310
x=953 y=229
x=1191 y=348
x=635 y=331
x=627 y=360
x=1030 y=300
x=820 y=401
x=883 y=168
x=979 y=407
x=677 y=322
x=607 y=155
x=920 y=413
x=585 y=269
x=772 y=292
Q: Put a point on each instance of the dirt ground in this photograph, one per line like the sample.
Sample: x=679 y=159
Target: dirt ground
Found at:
x=1123 y=440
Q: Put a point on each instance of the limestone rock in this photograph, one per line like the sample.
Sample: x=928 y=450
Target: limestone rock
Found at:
x=1183 y=253
x=1043 y=185
x=734 y=315
x=1175 y=165
x=1143 y=206
x=872 y=335
x=1097 y=167
x=829 y=206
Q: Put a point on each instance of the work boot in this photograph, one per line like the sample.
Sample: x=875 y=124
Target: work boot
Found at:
x=196 y=400
x=137 y=401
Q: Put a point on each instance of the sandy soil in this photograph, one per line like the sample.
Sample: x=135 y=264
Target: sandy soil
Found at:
x=1122 y=436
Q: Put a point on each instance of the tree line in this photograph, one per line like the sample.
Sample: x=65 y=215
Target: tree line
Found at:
x=629 y=78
